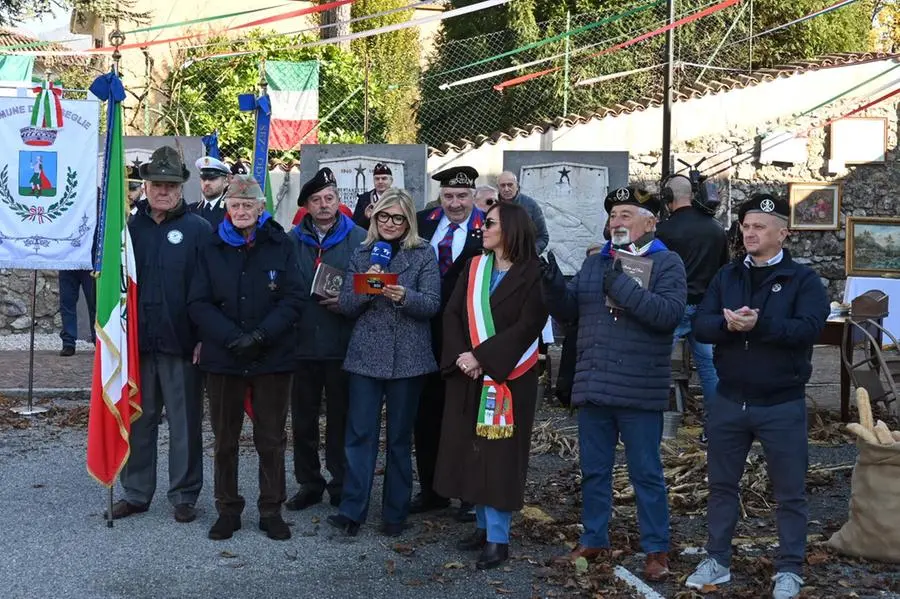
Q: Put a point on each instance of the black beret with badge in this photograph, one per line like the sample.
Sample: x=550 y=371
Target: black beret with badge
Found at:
x=239 y=168
x=165 y=166
x=320 y=181
x=765 y=203
x=382 y=169
x=632 y=196
x=457 y=176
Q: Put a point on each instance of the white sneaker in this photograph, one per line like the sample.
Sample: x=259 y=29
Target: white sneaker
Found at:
x=787 y=585
x=708 y=573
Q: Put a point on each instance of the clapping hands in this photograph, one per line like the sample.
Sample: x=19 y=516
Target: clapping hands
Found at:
x=741 y=320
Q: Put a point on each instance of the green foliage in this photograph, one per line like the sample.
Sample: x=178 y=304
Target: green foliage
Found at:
x=474 y=108
x=202 y=95
x=393 y=64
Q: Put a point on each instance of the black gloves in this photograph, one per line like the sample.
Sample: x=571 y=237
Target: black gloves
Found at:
x=613 y=272
x=550 y=272
x=248 y=346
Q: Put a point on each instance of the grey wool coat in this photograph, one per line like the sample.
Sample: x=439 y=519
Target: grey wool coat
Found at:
x=390 y=340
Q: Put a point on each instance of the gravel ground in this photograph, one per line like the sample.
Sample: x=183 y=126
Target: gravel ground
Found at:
x=45 y=341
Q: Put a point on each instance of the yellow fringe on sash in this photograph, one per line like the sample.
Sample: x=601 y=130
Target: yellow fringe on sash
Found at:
x=494 y=431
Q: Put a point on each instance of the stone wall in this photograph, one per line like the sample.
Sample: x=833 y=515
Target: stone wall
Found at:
x=868 y=190
x=15 y=301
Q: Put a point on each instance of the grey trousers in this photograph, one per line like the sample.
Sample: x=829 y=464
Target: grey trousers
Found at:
x=781 y=430
x=175 y=383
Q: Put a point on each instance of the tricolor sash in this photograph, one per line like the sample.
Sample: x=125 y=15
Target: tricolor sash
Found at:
x=495 y=410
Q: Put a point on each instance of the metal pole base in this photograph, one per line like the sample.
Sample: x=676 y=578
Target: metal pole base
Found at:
x=30 y=411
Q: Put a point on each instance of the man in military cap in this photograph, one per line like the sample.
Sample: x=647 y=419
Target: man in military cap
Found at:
x=763 y=312
x=383 y=179
x=135 y=187
x=240 y=168
x=324 y=236
x=213 y=183
x=622 y=372
x=454 y=231
x=166 y=241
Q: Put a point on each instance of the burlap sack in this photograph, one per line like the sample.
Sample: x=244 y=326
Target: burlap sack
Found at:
x=873 y=528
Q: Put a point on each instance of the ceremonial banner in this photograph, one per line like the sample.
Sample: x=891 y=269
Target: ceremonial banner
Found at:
x=48 y=181
x=294 y=93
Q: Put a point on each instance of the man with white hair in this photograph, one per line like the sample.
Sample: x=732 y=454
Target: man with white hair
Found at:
x=700 y=241
x=622 y=372
x=485 y=196
x=764 y=312
x=510 y=192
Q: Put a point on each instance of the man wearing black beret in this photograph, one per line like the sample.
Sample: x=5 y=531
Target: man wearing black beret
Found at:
x=622 y=372
x=383 y=179
x=763 y=312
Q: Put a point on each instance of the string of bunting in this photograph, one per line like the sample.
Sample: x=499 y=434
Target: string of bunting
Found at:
x=683 y=21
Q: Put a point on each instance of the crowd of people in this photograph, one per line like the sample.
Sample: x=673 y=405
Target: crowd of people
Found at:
x=447 y=345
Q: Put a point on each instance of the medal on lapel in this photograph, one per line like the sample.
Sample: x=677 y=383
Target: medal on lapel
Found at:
x=272 y=284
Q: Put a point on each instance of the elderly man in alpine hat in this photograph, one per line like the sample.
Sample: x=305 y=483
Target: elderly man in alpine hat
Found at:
x=622 y=372
x=213 y=182
x=245 y=299
x=763 y=312
x=166 y=238
x=382 y=179
x=454 y=232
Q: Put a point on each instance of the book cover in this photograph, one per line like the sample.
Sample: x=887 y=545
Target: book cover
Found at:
x=326 y=282
x=636 y=267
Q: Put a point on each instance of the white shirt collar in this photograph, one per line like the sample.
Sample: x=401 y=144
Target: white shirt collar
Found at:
x=748 y=261
x=214 y=204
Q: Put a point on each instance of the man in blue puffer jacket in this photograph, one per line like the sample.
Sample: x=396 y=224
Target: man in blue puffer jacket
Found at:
x=763 y=312
x=623 y=370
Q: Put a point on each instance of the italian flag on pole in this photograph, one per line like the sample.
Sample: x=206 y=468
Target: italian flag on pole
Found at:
x=294 y=93
x=115 y=392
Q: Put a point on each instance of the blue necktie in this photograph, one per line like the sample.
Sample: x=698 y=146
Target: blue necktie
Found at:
x=445 y=250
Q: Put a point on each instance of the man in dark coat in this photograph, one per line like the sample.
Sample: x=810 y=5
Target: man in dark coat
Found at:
x=166 y=241
x=454 y=231
x=622 y=372
x=383 y=179
x=700 y=241
x=326 y=237
x=245 y=299
x=508 y=184
x=763 y=312
x=213 y=183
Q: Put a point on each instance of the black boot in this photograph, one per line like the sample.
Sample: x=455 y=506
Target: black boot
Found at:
x=465 y=512
x=275 y=527
x=427 y=502
x=303 y=499
x=492 y=556
x=224 y=527
x=474 y=541
x=342 y=522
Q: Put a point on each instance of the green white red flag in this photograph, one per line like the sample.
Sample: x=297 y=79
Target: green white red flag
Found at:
x=115 y=391
x=293 y=89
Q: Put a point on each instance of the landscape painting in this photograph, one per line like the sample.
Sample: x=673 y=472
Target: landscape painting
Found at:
x=873 y=246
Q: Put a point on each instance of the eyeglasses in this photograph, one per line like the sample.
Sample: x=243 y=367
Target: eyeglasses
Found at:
x=384 y=217
x=491 y=201
x=489 y=222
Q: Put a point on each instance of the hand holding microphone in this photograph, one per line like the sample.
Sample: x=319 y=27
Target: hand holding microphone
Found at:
x=381 y=258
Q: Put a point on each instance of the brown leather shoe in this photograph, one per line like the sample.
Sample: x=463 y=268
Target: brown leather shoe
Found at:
x=656 y=567
x=123 y=509
x=588 y=553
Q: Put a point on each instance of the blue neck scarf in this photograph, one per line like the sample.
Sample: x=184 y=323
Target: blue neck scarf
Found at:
x=338 y=233
x=233 y=237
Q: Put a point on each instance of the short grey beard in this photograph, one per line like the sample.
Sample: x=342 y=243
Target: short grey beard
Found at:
x=623 y=238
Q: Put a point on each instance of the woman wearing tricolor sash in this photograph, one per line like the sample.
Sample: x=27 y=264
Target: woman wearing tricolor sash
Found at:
x=490 y=353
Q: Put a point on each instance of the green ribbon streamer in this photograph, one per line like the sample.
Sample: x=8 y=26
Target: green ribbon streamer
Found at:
x=582 y=29
x=847 y=91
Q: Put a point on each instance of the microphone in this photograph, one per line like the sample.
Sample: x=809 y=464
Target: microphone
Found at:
x=381 y=254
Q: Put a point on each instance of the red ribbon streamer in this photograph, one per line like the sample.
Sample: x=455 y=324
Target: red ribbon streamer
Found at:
x=860 y=109
x=682 y=21
x=258 y=22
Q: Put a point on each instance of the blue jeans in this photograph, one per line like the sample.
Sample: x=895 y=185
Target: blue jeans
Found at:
x=781 y=430
x=69 y=283
x=703 y=357
x=495 y=522
x=599 y=428
x=361 y=445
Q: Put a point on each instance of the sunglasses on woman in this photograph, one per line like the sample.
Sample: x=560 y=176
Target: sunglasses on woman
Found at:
x=489 y=222
x=384 y=217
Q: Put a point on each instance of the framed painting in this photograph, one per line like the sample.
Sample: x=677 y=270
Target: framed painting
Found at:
x=873 y=246
x=859 y=140
x=815 y=206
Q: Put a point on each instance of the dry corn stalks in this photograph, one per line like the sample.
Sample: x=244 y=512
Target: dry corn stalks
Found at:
x=876 y=433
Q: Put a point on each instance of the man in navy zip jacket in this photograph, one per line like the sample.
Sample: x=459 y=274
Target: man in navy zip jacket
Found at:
x=763 y=312
x=622 y=370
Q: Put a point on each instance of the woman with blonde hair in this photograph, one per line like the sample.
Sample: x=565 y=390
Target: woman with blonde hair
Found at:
x=388 y=357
